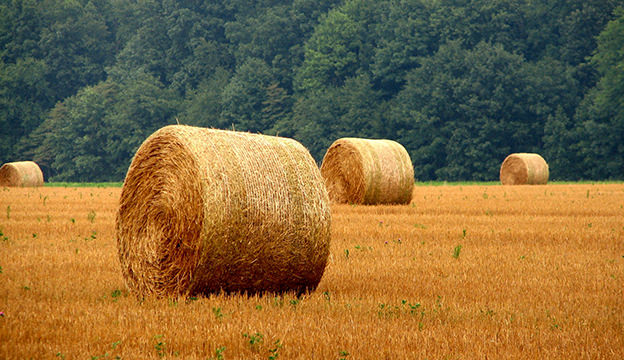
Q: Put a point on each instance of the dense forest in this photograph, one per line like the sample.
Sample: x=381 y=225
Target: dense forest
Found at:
x=460 y=83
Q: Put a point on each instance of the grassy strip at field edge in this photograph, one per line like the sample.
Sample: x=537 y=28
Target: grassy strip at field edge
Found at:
x=84 y=184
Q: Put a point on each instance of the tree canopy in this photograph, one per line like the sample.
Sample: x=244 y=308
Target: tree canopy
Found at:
x=460 y=83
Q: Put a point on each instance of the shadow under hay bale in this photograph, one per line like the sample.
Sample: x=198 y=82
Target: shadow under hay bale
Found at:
x=21 y=173
x=205 y=210
x=363 y=171
x=524 y=169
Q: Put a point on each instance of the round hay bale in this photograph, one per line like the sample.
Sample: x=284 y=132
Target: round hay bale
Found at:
x=524 y=169
x=363 y=171
x=205 y=210
x=21 y=173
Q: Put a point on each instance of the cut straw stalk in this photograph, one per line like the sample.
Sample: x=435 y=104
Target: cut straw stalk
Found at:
x=205 y=210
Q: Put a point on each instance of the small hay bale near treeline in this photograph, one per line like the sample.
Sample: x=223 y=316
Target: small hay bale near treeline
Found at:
x=524 y=169
x=21 y=173
x=205 y=210
x=365 y=171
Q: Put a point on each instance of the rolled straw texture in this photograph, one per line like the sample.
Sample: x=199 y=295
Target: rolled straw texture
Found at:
x=204 y=211
x=21 y=173
x=524 y=169
x=363 y=171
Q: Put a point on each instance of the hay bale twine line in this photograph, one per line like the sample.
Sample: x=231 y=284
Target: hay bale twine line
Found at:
x=21 y=173
x=524 y=169
x=205 y=210
x=365 y=171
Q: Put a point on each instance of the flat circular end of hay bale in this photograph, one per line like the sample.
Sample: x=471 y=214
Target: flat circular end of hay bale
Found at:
x=21 y=174
x=343 y=171
x=524 y=169
x=204 y=211
x=160 y=217
x=365 y=171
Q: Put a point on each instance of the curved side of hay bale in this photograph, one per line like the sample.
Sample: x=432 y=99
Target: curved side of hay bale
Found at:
x=364 y=171
x=524 y=169
x=205 y=210
x=21 y=173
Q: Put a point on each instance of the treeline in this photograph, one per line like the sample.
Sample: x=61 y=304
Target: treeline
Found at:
x=460 y=83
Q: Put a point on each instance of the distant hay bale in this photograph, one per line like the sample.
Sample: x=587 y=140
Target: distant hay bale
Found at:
x=524 y=169
x=363 y=171
x=21 y=173
x=205 y=210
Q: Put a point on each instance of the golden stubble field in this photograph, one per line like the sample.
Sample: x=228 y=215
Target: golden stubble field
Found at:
x=464 y=272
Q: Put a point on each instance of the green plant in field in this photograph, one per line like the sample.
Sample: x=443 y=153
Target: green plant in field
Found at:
x=217 y=313
x=160 y=345
x=0 y=269
x=8 y=212
x=294 y=303
x=346 y=252
x=274 y=352
x=106 y=355
x=456 y=251
x=91 y=216
x=343 y=354
x=278 y=301
x=3 y=237
x=218 y=353
x=116 y=294
x=255 y=341
x=412 y=308
x=388 y=311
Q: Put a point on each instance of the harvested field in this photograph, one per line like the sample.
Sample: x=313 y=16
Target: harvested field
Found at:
x=523 y=272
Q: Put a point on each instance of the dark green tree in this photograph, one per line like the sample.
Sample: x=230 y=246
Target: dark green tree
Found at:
x=202 y=106
x=601 y=116
x=463 y=111
x=339 y=48
x=404 y=36
x=76 y=45
x=21 y=22
x=93 y=135
x=244 y=97
x=25 y=97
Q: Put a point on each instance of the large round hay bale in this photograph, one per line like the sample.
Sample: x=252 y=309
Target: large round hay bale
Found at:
x=21 y=173
x=524 y=169
x=204 y=211
x=364 y=171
